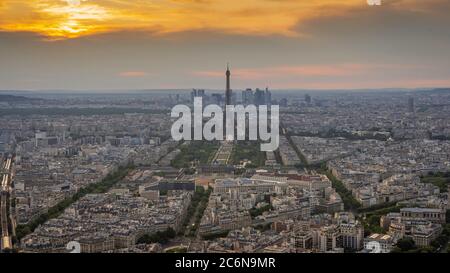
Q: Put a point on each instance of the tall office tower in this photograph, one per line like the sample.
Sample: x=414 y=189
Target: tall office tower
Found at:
x=259 y=98
x=308 y=99
x=268 y=97
x=197 y=93
x=411 y=104
x=247 y=96
x=233 y=98
x=228 y=90
x=217 y=98
x=193 y=95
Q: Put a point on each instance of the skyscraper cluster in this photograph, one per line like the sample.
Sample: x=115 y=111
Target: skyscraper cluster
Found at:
x=259 y=97
x=197 y=93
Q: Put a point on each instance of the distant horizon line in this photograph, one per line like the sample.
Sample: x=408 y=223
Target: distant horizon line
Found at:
x=215 y=89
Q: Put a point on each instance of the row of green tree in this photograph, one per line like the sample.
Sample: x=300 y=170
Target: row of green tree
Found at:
x=350 y=203
x=161 y=237
x=373 y=215
x=379 y=208
x=437 y=245
x=196 y=208
x=439 y=179
x=304 y=162
x=332 y=133
x=101 y=187
x=213 y=236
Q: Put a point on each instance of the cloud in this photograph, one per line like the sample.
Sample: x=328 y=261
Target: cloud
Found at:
x=74 y=18
x=277 y=43
x=366 y=84
x=133 y=74
x=331 y=70
x=332 y=76
x=61 y=19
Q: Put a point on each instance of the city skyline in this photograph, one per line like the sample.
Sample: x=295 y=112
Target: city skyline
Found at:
x=353 y=172
x=321 y=44
x=225 y=127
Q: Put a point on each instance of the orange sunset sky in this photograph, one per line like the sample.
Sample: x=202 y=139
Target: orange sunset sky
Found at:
x=283 y=44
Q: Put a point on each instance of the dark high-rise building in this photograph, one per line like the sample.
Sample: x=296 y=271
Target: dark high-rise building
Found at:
x=197 y=93
x=411 y=104
x=247 y=96
x=217 y=98
x=193 y=95
x=233 y=98
x=228 y=90
x=308 y=99
x=259 y=97
x=268 y=97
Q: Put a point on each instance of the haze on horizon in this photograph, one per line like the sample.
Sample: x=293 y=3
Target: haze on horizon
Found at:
x=181 y=44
